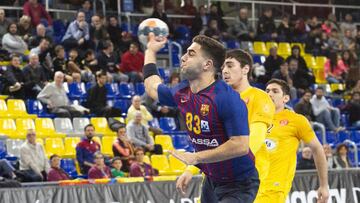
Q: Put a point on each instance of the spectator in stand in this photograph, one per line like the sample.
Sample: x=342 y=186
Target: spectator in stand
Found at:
x=116 y=171
x=86 y=8
x=348 y=24
x=348 y=41
x=57 y=101
x=306 y=162
x=283 y=30
x=43 y=51
x=4 y=23
x=14 y=79
x=90 y=62
x=324 y=113
x=242 y=29
x=329 y=156
x=98 y=31
x=35 y=77
x=59 y=63
x=7 y=170
x=73 y=65
x=304 y=108
x=283 y=74
x=56 y=173
x=132 y=62
x=77 y=34
x=115 y=32
x=314 y=41
x=174 y=79
x=349 y=59
x=295 y=53
x=313 y=24
x=302 y=80
x=24 y=28
x=341 y=159
x=159 y=12
x=353 y=107
x=123 y=148
x=33 y=160
x=99 y=169
x=217 y=14
x=139 y=168
x=335 y=43
x=139 y=135
x=200 y=22
x=213 y=30
x=335 y=69
x=34 y=41
x=333 y=21
x=326 y=27
x=97 y=101
x=266 y=30
x=272 y=63
x=156 y=109
x=86 y=149
x=36 y=11
x=188 y=9
x=106 y=61
x=12 y=42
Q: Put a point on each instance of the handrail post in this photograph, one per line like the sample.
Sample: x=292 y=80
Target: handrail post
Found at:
x=119 y=12
x=253 y=15
x=356 y=157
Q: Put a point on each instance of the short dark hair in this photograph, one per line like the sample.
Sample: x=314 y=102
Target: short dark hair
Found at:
x=135 y=43
x=283 y=85
x=14 y=55
x=243 y=57
x=97 y=154
x=89 y=125
x=106 y=44
x=10 y=24
x=100 y=73
x=341 y=146
x=213 y=49
x=58 y=48
x=115 y=159
x=138 y=149
x=320 y=88
x=53 y=156
x=308 y=91
x=88 y=52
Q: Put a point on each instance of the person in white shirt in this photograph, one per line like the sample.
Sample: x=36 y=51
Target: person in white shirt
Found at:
x=33 y=161
x=324 y=112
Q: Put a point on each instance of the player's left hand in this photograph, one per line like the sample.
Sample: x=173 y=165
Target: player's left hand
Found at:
x=323 y=195
x=187 y=157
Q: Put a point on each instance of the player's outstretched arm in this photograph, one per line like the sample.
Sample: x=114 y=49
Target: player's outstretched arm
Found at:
x=152 y=79
x=321 y=166
x=257 y=135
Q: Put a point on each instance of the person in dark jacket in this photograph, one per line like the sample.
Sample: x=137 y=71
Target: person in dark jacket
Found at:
x=14 y=79
x=306 y=162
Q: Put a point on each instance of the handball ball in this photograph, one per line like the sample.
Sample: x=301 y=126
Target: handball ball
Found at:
x=154 y=25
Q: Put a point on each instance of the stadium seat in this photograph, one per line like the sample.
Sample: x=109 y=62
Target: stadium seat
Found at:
x=260 y=59
x=107 y=143
x=319 y=76
x=79 y=124
x=343 y=135
x=331 y=137
x=320 y=61
x=63 y=125
x=98 y=140
x=112 y=90
x=167 y=124
x=183 y=32
x=13 y=147
x=181 y=142
x=68 y=165
x=310 y=61
x=176 y=166
x=139 y=88
x=3 y=152
x=260 y=48
x=337 y=87
x=23 y=125
x=54 y=146
x=126 y=90
x=154 y=123
x=45 y=128
x=270 y=45
x=70 y=145
x=344 y=118
x=163 y=73
x=101 y=126
x=232 y=44
x=77 y=91
x=355 y=136
x=284 y=49
x=8 y=128
x=17 y=109
x=4 y=113
x=161 y=163
x=35 y=107
x=123 y=105
x=165 y=141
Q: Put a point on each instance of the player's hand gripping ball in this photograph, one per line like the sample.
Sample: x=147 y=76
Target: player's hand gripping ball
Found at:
x=154 y=25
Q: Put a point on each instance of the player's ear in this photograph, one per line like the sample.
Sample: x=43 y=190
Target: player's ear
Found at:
x=208 y=64
x=245 y=69
x=286 y=99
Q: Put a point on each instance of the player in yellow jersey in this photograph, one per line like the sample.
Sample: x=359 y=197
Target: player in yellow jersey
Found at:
x=236 y=73
x=282 y=141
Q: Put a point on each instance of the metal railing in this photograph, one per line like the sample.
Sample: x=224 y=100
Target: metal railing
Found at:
x=355 y=150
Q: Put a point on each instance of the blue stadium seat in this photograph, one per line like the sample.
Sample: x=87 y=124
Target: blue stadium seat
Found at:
x=112 y=90
x=355 y=136
x=260 y=59
x=154 y=123
x=68 y=165
x=181 y=141
x=139 y=88
x=167 y=124
x=343 y=135
x=163 y=74
x=183 y=32
x=123 y=105
x=35 y=107
x=77 y=91
x=3 y=152
x=345 y=120
x=318 y=135
x=232 y=44
x=126 y=90
x=337 y=102
x=88 y=85
x=331 y=137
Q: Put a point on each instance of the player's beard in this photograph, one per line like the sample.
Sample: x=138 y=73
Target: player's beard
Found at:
x=190 y=73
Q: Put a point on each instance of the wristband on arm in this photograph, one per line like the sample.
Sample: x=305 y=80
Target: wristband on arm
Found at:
x=150 y=70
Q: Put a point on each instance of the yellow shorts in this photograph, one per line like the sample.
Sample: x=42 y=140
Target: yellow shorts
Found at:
x=270 y=196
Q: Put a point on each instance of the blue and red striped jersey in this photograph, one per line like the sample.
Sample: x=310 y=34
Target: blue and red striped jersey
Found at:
x=212 y=116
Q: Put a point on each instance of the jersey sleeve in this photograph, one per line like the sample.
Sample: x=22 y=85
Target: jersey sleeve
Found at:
x=304 y=129
x=233 y=112
x=264 y=110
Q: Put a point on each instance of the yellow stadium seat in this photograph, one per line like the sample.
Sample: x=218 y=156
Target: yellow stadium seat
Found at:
x=176 y=166
x=40 y=141
x=320 y=61
x=98 y=140
x=101 y=126
x=164 y=178
x=270 y=45
x=165 y=141
x=8 y=128
x=45 y=128
x=54 y=146
x=284 y=49
x=17 y=109
x=260 y=48
x=310 y=61
x=4 y=113
x=3 y=96
x=107 y=143
x=121 y=119
x=146 y=159
x=284 y=56
x=302 y=47
x=23 y=125
x=161 y=163
x=319 y=76
x=70 y=146
x=337 y=87
x=4 y=63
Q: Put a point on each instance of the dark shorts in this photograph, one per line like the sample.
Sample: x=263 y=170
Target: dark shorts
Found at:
x=235 y=192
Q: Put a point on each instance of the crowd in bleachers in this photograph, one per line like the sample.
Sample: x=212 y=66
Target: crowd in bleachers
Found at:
x=60 y=77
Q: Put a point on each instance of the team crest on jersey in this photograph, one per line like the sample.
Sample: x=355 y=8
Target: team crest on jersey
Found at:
x=284 y=122
x=270 y=144
x=205 y=108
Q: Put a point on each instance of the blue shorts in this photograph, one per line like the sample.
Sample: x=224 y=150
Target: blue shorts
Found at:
x=234 y=192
